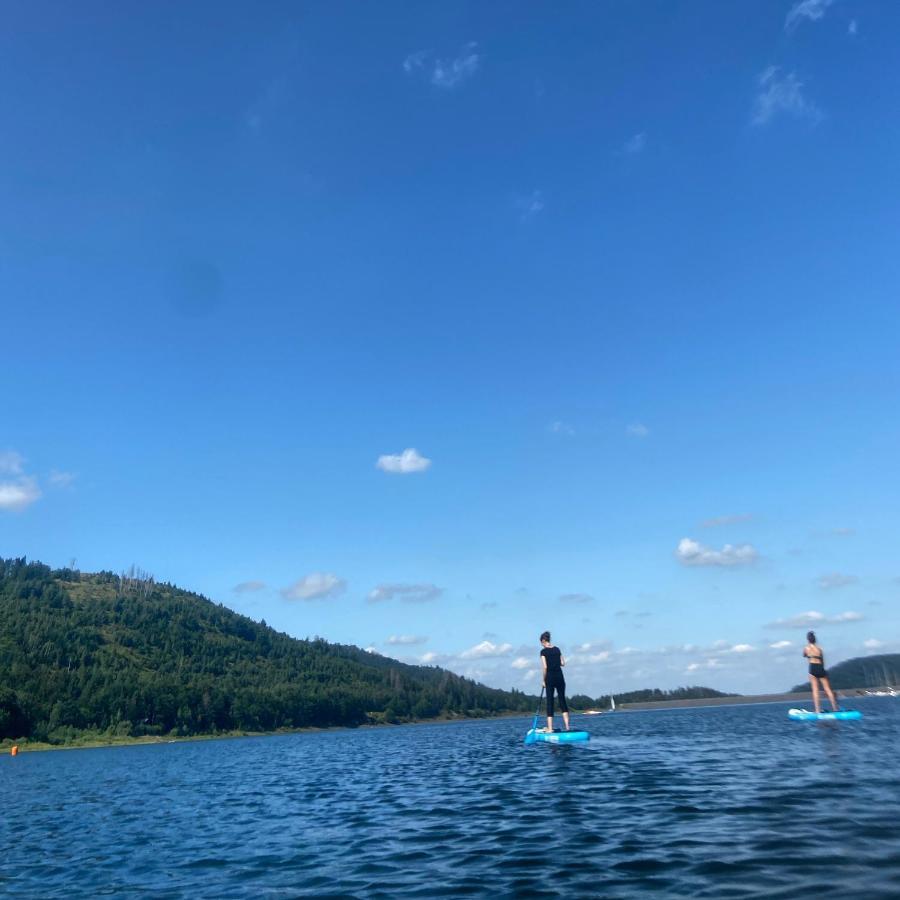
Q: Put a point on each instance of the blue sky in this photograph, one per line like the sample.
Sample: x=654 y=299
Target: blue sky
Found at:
x=427 y=327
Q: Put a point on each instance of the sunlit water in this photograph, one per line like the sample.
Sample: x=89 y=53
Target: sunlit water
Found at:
x=723 y=802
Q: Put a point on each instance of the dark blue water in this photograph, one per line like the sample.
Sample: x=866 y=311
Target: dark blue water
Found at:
x=726 y=802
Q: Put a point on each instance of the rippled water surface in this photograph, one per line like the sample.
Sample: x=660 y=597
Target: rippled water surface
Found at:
x=721 y=802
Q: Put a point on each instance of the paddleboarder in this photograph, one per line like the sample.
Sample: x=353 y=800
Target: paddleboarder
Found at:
x=552 y=662
x=817 y=673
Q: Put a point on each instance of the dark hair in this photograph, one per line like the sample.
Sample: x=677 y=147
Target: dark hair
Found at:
x=545 y=636
x=811 y=636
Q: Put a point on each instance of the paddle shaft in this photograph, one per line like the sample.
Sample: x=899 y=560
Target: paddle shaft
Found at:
x=538 y=711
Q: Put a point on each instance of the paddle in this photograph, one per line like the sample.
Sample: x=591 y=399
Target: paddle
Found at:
x=537 y=711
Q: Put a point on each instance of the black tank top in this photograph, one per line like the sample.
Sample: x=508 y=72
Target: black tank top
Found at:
x=554 y=661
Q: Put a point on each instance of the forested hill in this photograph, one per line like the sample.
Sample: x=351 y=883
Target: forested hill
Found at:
x=123 y=655
x=880 y=671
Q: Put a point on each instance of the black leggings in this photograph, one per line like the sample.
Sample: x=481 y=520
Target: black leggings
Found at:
x=560 y=688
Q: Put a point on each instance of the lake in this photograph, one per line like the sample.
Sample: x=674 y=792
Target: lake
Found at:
x=717 y=802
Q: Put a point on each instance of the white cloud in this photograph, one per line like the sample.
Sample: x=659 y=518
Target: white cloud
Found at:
x=19 y=494
x=451 y=73
x=576 y=598
x=781 y=94
x=410 y=460
x=434 y=659
x=61 y=479
x=711 y=663
x=374 y=650
x=636 y=429
x=636 y=143
x=693 y=553
x=835 y=580
x=561 y=428
x=810 y=10
x=781 y=645
x=415 y=61
x=445 y=73
x=315 y=586
x=406 y=640
x=485 y=650
x=249 y=587
x=852 y=27
x=742 y=648
x=530 y=205
x=873 y=644
x=814 y=617
x=20 y=490
x=522 y=662
x=718 y=521
x=11 y=463
x=410 y=593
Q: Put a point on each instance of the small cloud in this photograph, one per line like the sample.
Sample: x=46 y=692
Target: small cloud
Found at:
x=809 y=10
x=576 y=598
x=781 y=645
x=711 y=663
x=409 y=593
x=61 y=479
x=410 y=460
x=718 y=521
x=11 y=463
x=693 y=553
x=813 y=618
x=636 y=429
x=372 y=650
x=873 y=644
x=415 y=61
x=444 y=73
x=315 y=586
x=486 y=650
x=451 y=73
x=635 y=144
x=561 y=428
x=852 y=28
x=522 y=662
x=742 y=648
x=405 y=640
x=530 y=205
x=249 y=587
x=18 y=494
x=835 y=580
x=781 y=94
x=433 y=659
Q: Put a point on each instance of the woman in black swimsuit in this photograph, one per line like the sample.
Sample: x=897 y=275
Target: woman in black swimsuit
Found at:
x=552 y=661
x=817 y=674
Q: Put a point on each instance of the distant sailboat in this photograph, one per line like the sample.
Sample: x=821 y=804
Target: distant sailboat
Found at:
x=612 y=704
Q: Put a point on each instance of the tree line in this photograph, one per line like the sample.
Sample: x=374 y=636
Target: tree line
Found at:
x=126 y=655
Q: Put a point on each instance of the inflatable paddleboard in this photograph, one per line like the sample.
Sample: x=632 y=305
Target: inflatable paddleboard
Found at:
x=556 y=737
x=807 y=715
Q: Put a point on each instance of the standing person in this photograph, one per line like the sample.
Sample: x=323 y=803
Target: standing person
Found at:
x=552 y=661
x=813 y=652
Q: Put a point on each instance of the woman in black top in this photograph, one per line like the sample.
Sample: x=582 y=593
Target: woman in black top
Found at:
x=817 y=674
x=553 y=661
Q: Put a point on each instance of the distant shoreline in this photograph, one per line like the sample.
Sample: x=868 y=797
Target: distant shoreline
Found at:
x=737 y=700
x=26 y=746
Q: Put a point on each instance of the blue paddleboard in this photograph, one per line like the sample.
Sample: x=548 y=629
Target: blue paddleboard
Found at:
x=556 y=737
x=807 y=715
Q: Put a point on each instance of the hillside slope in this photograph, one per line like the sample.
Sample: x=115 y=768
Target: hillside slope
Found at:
x=127 y=656
x=882 y=670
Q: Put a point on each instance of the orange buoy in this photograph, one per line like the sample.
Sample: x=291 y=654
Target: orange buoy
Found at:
x=14 y=750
